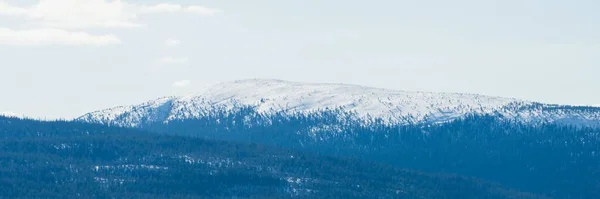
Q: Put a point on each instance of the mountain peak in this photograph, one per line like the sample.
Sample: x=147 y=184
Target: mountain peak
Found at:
x=270 y=96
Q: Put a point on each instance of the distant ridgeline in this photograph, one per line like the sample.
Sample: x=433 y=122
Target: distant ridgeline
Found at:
x=272 y=97
x=556 y=160
x=79 y=160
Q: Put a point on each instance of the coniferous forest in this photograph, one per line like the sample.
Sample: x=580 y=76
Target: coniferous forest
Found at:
x=317 y=155
x=554 y=160
x=70 y=159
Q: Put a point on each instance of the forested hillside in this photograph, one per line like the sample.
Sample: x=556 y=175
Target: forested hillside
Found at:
x=552 y=159
x=71 y=159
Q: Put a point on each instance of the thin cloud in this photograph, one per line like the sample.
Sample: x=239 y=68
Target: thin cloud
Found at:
x=75 y=14
x=182 y=83
x=173 y=60
x=172 y=42
x=161 y=8
x=37 y=37
x=202 y=10
x=8 y=10
x=53 y=21
x=81 y=14
x=174 y=8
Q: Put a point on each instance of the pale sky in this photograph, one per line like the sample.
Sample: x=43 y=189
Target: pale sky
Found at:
x=63 y=58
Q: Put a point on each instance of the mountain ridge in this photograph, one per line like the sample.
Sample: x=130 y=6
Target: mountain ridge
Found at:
x=270 y=96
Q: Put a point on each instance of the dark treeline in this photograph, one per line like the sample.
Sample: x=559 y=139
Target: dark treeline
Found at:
x=77 y=160
x=556 y=160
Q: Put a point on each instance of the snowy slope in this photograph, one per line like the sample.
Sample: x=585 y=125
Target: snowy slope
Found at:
x=8 y=114
x=271 y=96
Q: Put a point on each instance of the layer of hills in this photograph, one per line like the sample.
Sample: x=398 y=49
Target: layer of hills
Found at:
x=362 y=103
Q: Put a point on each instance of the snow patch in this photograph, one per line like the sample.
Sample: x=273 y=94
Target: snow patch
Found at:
x=8 y=114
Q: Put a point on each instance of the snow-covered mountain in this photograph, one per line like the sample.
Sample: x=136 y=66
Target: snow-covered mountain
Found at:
x=274 y=96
